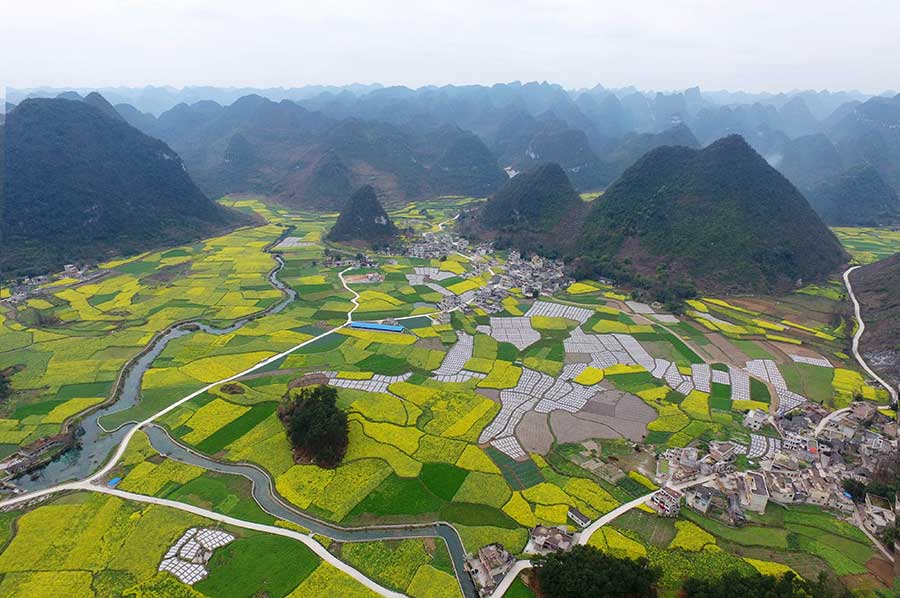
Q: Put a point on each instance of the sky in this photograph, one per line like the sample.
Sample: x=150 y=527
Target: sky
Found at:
x=758 y=45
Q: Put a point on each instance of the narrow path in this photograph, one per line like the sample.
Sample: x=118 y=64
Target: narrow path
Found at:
x=859 y=332
x=858 y=520
x=355 y=299
x=94 y=483
x=624 y=508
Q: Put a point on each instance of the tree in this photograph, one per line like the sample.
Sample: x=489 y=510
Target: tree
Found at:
x=5 y=387
x=316 y=427
x=890 y=536
x=741 y=585
x=586 y=571
x=855 y=488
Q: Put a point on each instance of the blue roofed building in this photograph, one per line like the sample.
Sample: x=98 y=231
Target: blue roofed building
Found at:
x=377 y=326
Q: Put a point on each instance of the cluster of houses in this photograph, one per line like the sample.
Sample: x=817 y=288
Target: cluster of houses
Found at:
x=491 y=563
x=807 y=464
x=438 y=245
x=535 y=276
x=30 y=456
x=24 y=289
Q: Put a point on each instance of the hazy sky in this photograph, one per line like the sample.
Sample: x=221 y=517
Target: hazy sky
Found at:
x=652 y=44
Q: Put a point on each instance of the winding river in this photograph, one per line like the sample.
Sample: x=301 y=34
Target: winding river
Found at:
x=96 y=444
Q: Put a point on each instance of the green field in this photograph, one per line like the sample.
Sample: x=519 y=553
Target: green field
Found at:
x=414 y=453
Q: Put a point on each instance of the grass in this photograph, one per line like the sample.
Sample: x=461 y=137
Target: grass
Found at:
x=236 y=428
x=235 y=571
x=503 y=375
x=443 y=479
x=750 y=535
x=222 y=493
x=327 y=580
x=398 y=496
x=90 y=534
x=691 y=537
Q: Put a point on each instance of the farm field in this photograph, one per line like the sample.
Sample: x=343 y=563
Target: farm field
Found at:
x=493 y=422
x=87 y=544
x=867 y=245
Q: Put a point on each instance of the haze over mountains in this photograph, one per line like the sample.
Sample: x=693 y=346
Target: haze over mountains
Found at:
x=841 y=150
x=312 y=146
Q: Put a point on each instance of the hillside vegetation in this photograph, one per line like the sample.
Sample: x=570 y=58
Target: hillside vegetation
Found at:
x=81 y=184
x=363 y=219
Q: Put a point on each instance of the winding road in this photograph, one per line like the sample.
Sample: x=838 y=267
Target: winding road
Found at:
x=95 y=483
x=859 y=332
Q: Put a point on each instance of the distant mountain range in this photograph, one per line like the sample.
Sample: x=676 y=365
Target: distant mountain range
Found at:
x=306 y=159
x=363 y=219
x=851 y=172
x=718 y=219
x=856 y=197
x=81 y=184
x=309 y=146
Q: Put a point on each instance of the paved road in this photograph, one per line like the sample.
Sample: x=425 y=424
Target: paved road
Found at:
x=828 y=418
x=586 y=534
x=859 y=332
x=624 y=508
x=120 y=449
x=94 y=483
x=317 y=548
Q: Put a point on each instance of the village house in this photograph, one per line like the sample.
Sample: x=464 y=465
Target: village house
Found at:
x=721 y=451
x=699 y=498
x=580 y=519
x=752 y=491
x=667 y=501
x=550 y=539
x=488 y=567
x=879 y=514
x=755 y=419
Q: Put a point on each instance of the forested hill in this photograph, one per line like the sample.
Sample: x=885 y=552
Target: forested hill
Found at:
x=363 y=219
x=857 y=197
x=535 y=211
x=719 y=218
x=83 y=185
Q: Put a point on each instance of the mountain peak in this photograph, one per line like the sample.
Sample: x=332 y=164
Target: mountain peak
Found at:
x=363 y=219
x=533 y=200
x=720 y=218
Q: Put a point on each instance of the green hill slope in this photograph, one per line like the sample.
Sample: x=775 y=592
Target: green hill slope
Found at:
x=719 y=218
x=82 y=185
x=363 y=219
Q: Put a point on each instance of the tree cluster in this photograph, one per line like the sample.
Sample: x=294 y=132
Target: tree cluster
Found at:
x=5 y=387
x=316 y=428
x=586 y=571
x=739 y=585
